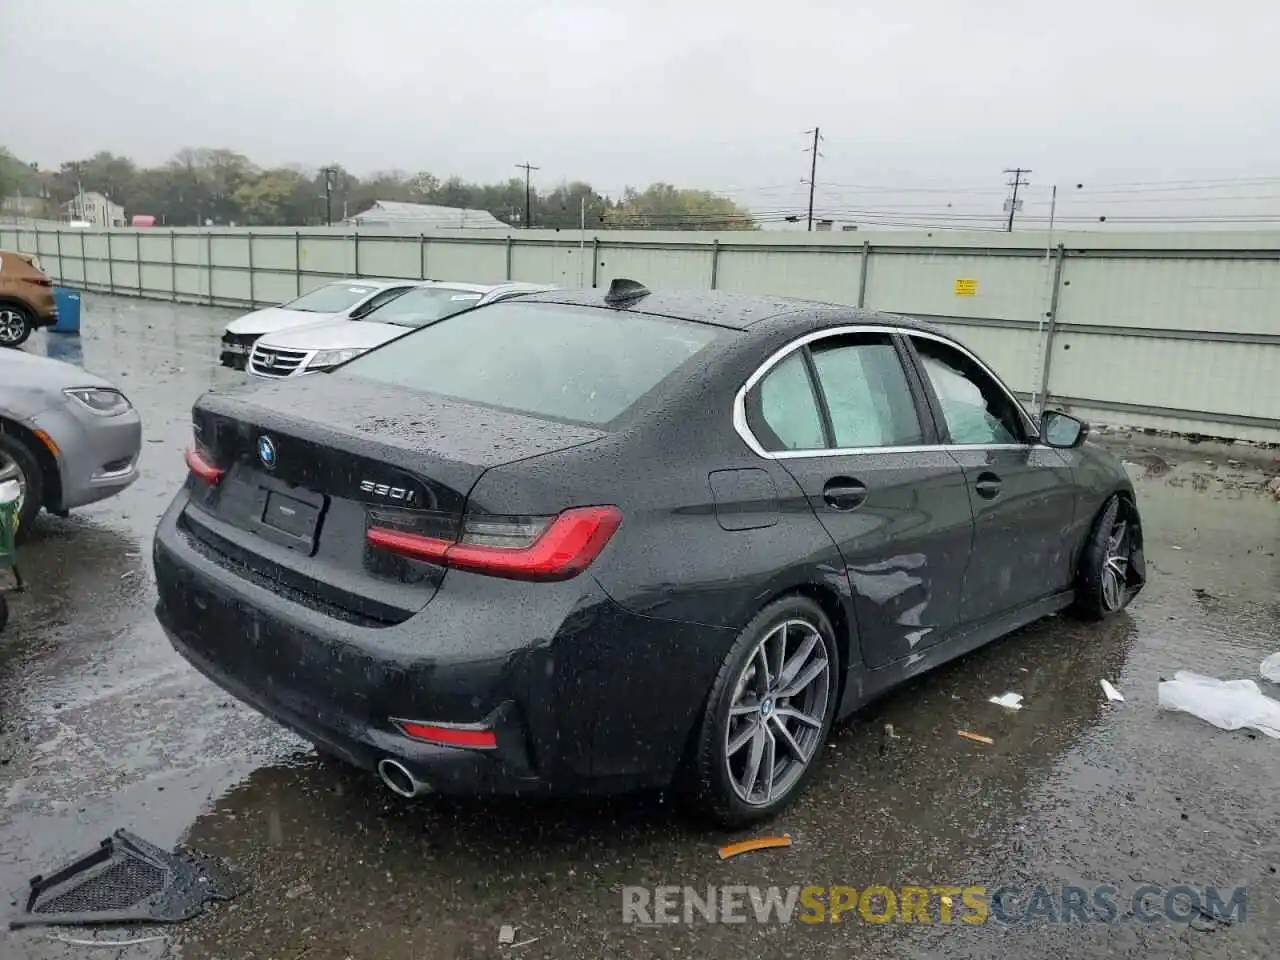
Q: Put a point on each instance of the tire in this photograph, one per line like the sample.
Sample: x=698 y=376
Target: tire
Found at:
x=16 y=325
x=4 y=612
x=1103 y=583
x=18 y=462
x=719 y=783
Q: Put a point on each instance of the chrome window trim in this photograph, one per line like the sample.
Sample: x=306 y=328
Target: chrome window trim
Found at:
x=740 y=399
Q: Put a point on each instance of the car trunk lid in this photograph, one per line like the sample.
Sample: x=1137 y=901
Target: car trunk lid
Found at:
x=304 y=470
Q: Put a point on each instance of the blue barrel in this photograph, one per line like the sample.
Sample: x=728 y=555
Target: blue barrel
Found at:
x=68 y=304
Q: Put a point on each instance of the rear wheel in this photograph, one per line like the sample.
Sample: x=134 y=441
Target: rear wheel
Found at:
x=1104 y=586
x=16 y=325
x=19 y=463
x=768 y=714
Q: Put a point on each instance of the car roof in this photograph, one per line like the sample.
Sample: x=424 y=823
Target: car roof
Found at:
x=737 y=311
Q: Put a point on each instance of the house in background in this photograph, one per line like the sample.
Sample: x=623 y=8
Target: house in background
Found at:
x=424 y=216
x=94 y=208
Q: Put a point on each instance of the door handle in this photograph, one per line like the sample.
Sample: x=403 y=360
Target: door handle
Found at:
x=843 y=493
x=988 y=486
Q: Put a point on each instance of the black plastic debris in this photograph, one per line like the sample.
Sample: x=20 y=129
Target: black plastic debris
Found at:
x=126 y=880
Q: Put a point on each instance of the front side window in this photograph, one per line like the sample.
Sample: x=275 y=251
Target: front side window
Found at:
x=782 y=410
x=381 y=299
x=866 y=390
x=976 y=410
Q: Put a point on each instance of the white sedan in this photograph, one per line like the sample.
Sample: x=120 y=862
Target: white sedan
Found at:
x=319 y=346
x=341 y=300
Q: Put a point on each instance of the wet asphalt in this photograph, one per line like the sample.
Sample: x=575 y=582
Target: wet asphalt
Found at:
x=102 y=726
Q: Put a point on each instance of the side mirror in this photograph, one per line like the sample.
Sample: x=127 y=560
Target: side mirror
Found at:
x=1062 y=430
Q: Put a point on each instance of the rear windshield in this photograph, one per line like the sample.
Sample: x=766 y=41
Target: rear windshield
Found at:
x=333 y=298
x=425 y=305
x=581 y=364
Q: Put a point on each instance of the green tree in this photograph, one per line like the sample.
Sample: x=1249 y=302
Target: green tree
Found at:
x=12 y=174
x=665 y=207
x=19 y=180
x=422 y=186
x=563 y=207
x=275 y=198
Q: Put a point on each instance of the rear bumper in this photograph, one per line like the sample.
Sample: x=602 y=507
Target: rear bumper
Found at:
x=447 y=770
x=483 y=651
x=44 y=307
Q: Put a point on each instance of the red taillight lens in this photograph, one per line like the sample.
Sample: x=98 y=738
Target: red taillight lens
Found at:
x=477 y=738
x=42 y=281
x=202 y=468
x=540 y=550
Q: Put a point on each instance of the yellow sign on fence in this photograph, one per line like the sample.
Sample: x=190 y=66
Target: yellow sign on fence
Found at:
x=966 y=288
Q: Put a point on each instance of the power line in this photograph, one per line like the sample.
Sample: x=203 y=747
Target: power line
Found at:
x=1012 y=202
x=528 y=169
x=813 y=169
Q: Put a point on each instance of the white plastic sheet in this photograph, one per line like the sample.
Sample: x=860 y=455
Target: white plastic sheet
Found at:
x=1227 y=704
x=1271 y=668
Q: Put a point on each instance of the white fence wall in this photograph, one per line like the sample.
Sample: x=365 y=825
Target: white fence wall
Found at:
x=1167 y=331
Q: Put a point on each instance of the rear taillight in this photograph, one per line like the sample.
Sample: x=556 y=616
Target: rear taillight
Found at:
x=475 y=736
x=517 y=548
x=202 y=468
x=42 y=281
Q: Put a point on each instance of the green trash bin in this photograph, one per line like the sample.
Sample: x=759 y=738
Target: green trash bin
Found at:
x=9 y=493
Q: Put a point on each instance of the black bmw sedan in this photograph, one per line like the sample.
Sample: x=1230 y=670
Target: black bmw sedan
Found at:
x=582 y=542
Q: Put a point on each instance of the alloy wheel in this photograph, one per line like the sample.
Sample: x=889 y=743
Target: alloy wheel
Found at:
x=1115 y=566
x=778 y=713
x=12 y=325
x=9 y=470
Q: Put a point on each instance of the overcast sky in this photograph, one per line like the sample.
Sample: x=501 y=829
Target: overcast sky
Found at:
x=936 y=95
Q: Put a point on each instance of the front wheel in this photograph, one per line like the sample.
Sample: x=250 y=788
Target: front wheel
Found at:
x=18 y=463
x=768 y=714
x=1108 y=578
x=16 y=325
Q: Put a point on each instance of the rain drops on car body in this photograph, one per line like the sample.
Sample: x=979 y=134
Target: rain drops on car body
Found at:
x=658 y=538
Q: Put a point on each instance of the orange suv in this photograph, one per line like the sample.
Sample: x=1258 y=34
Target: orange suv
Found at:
x=26 y=298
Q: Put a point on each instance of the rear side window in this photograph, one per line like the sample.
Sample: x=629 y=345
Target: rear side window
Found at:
x=580 y=364
x=782 y=410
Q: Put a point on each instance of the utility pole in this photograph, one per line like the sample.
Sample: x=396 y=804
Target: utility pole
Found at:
x=813 y=169
x=1012 y=203
x=528 y=169
x=328 y=194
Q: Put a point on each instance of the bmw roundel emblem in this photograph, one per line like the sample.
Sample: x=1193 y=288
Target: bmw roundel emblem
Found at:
x=267 y=452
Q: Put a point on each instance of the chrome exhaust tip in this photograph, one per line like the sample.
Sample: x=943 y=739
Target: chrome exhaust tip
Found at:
x=399 y=780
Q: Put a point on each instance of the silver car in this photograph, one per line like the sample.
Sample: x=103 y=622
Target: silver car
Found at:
x=68 y=438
